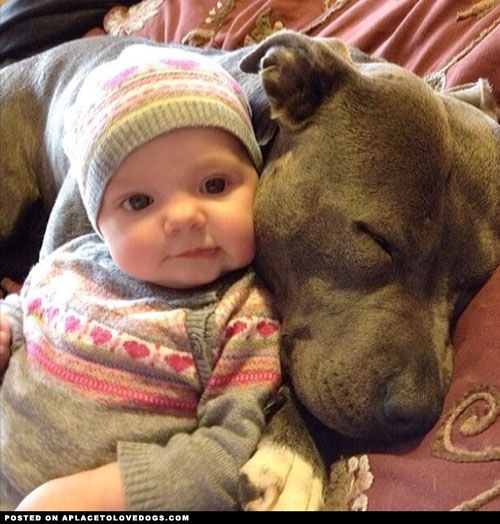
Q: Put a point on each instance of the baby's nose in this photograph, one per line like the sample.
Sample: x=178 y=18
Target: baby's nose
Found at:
x=183 y=215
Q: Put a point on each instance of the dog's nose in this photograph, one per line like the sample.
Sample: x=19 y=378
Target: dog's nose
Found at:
x=411 y=407
x=407 y=417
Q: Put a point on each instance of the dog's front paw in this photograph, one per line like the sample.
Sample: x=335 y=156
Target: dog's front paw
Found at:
x=278 y=479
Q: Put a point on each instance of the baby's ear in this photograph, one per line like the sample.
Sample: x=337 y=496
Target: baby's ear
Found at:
x=479 y=94
x=298 y=72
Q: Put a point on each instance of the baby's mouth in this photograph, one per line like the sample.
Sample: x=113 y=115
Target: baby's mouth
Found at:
x=201 y=252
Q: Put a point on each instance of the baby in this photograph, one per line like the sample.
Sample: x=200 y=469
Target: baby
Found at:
x=143 y=355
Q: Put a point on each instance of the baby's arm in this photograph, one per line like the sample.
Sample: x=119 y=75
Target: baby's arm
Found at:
x=4 y=341
x=192 y=471
x=98 y=489
x=200 y=471
x=196 y=471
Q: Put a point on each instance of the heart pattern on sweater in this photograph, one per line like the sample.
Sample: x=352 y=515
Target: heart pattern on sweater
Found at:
x=100 y=335
x=266 y=329
x=235 y=328
x=71 y=324
x=179 y=362
x=136 y=349
x=34 y=304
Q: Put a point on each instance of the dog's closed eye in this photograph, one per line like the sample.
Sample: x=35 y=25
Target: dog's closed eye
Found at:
x=376 y=237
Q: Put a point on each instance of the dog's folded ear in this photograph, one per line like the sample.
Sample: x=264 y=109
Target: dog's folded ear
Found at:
x=298 y=72
x=479 y=94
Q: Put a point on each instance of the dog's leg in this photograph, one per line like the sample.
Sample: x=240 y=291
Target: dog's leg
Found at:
x=286 y=472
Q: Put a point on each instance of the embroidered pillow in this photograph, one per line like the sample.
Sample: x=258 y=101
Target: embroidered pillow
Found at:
x=457 y=41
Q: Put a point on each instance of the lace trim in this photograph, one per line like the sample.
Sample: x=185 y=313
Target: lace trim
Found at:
x=361 y=478
x=479 y=9
x=121 y=20
x=437 y=79
x=263 y=28
x=216 y=18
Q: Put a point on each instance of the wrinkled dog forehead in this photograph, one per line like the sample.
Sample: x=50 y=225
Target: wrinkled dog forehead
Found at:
x=368 y=144
x=355 y=125
x=374 y=177
x=383 y=134
x=374 y=153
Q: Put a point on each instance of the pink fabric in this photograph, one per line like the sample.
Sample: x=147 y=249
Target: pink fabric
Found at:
x=422 y=35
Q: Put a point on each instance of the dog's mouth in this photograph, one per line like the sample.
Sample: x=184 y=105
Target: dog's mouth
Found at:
x=374 y=425
x=376 y=430
x=387 y=404
x=346 y=440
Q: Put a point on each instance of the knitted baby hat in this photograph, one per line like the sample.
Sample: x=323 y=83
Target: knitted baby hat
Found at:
x=143 y=93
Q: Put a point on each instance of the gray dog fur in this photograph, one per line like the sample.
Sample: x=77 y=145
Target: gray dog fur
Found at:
x=378 y=215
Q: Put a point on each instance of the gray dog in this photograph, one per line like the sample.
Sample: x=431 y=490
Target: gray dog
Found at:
x=378 y=215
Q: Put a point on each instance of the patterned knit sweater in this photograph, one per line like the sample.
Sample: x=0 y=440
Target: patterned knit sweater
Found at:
x=170 y=383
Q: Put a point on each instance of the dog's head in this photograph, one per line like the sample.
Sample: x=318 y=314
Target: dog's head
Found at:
x=377 y=216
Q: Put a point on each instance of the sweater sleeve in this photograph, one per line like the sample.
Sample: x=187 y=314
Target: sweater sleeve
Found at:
x=11 y=306
x=200 y=471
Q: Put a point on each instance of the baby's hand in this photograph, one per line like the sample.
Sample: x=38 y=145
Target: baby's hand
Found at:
x=5 y=336
x=8 y=286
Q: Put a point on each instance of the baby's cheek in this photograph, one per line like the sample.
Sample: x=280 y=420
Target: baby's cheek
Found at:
x=247 y=243
x=127 y=254
x=119 y=258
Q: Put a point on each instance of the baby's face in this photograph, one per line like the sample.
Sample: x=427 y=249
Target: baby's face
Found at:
x=178 y=211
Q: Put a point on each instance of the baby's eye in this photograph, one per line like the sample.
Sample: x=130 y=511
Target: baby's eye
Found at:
x=137 y=202
x=214 y=186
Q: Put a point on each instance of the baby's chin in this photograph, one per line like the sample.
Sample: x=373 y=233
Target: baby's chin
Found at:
x=191 y=282
x=187 y=275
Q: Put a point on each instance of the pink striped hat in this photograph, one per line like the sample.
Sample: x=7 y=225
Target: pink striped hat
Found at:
x=145 y=92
